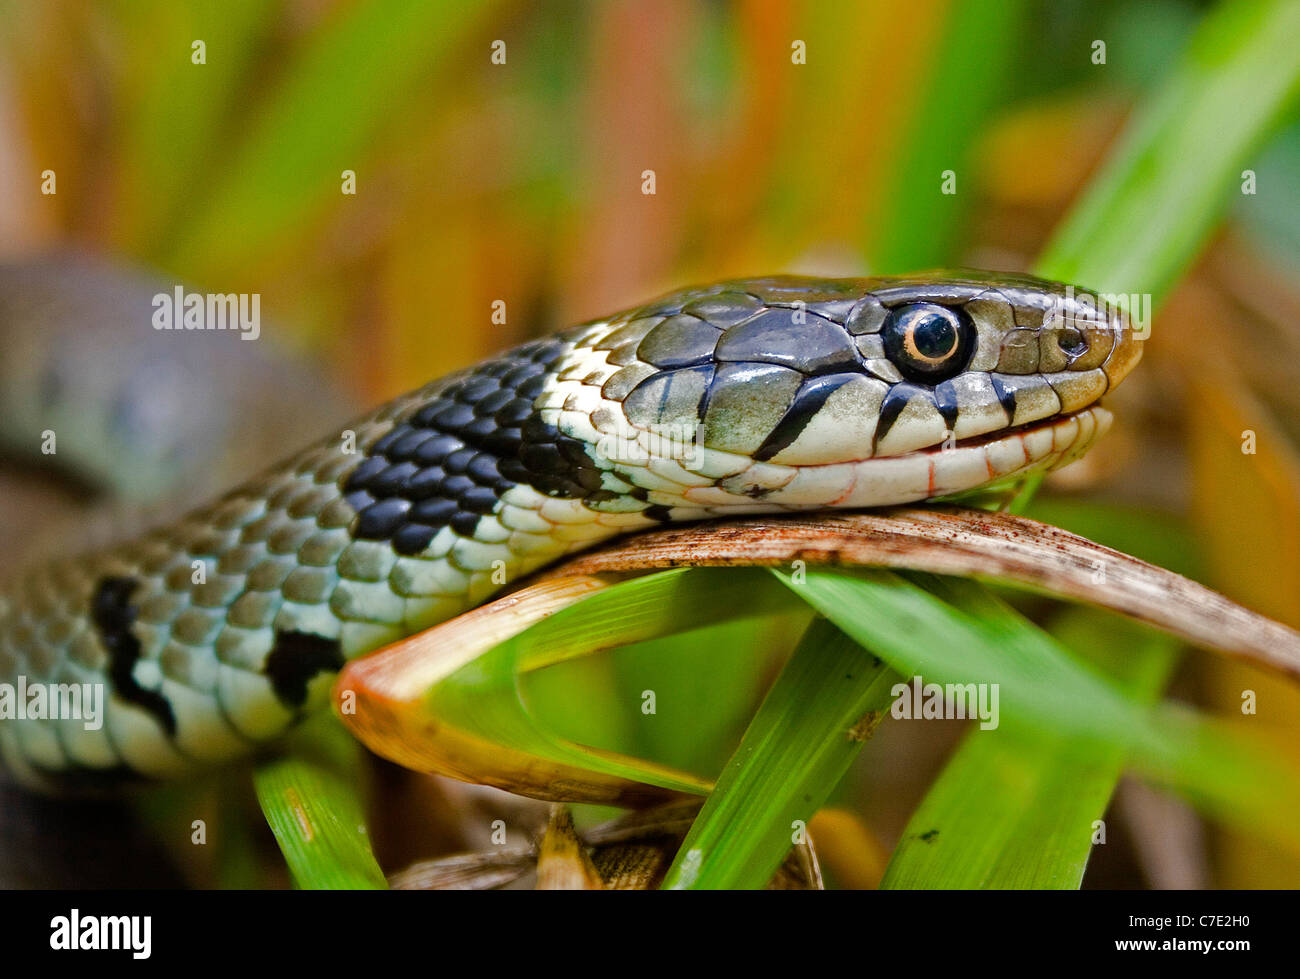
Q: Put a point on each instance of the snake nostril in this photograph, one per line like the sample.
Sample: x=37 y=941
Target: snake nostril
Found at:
x=1072 y=341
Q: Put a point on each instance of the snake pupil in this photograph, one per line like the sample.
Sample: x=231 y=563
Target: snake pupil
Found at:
x=934 y=337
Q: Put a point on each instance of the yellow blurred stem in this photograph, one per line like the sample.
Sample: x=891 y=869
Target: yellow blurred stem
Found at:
x=848 y=849
x=1246 y=514
x=562 y=860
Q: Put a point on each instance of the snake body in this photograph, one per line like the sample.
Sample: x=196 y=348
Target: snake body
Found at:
x=213 y=634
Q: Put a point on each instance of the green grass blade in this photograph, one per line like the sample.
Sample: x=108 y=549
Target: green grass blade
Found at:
x=1008 y=811
x=954 y=631
x=918 y=225
x=1179 y=162
x=694 y=726
x=1017 y=811
x=344 y=85
x=1141 y=222
x=488 y=699
x=176 y=114
x=317 y=821
x=810 y=727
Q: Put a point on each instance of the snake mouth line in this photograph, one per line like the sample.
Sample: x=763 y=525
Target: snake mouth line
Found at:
x=1015 y=431
x=937 y=471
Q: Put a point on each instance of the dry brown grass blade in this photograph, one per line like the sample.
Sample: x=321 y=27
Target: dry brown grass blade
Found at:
x=466 y=871
x=562 y=860
x=629 y=853
x=969 y=543
x=381 y=697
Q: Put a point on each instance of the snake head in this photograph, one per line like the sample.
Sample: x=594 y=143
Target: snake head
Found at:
x=800 y=392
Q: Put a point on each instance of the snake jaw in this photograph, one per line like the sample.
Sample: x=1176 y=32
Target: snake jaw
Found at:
x=884 y=481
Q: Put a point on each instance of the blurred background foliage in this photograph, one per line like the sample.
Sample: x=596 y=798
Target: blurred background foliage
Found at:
x=522 y=182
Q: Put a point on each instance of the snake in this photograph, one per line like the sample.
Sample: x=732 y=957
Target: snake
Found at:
x=211 y=634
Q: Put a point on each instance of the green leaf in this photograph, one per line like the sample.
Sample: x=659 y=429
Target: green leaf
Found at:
x=810 y=727
x=697 y=718
x=1178 y=164
x=486 y=698
x=454 y=700
x=317 y=821
x=1017 y=811
x=954 y=631
x=1142 y=221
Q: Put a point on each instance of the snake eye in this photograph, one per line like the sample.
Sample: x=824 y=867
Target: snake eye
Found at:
x=927 y=342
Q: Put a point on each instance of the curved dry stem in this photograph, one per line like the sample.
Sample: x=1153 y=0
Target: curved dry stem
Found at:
x=968 y=543
x=381 y=700
x=382 y=697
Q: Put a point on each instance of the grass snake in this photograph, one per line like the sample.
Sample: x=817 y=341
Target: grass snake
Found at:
x=211 y=634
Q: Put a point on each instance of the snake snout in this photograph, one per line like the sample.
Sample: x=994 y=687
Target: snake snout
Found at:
x=1127 y=348
x=1087 y=343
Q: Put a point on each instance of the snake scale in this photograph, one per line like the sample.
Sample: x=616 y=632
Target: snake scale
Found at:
x=214 y=633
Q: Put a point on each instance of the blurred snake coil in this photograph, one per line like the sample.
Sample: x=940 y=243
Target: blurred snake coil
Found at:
x=215 y=633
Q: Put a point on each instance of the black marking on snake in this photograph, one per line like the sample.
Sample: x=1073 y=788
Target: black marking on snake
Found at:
x=945 y=399
x=450 y=463
x=1006 y=397
x=809 y=400
x=113 y=614
x=710 y=386
x=896 y=399
x=295 y=659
